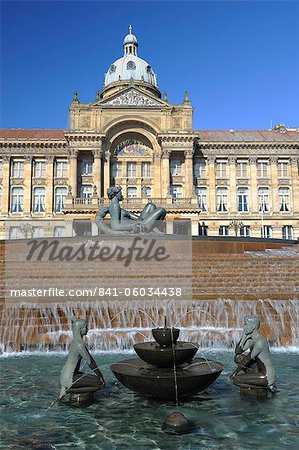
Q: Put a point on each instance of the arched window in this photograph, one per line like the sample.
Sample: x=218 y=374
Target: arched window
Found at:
x=39 y=199
x=263 y=198
x=17 y=199
x=60 y=194
x=284 y=199
x=243 y=199
x=202 y=198
x=222 y=204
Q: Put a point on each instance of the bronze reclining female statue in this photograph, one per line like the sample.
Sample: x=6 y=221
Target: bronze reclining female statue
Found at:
x=123 y=221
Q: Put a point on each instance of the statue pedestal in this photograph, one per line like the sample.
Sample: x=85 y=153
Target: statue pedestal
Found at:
x=82 y=399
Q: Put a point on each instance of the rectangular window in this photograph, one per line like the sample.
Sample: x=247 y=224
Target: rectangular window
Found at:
x=131 y=169
x=243 y=199
x=202 y=199
x=262 y=169
x=222 y=199
x=117 y=170
x=86 y=167
x=37 y=232
x=86 y=191
x=202 y=229
x=283 y=169
x=266 y=232
x=242 y=169
x=59 y=231
x=18 y=169
x=176 y=167
x=39 y=169
x=131 y=192
x=287 y=232
x=1 y=166
x=284 y=199
x=146 y=169
x=61 y=168
x=221 y=169
x=16 y=233
x=200 y=169
x=176 y=192
x=223 y=230
x=245 y=231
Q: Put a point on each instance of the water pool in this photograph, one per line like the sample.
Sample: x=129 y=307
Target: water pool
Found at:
x=121 y=420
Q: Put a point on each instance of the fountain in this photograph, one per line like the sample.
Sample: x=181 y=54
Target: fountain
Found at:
x=166 y=368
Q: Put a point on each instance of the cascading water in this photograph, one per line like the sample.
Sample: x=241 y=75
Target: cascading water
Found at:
x=117 y=325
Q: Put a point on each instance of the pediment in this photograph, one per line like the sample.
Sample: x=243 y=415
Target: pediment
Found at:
x=131 y=97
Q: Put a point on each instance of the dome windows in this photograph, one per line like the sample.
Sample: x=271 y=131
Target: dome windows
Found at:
x=131 y=65
x=112 y=68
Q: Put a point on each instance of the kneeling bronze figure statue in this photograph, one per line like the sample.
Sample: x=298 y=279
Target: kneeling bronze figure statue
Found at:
x=126 y=222
x=80 y=385
x=255 y=369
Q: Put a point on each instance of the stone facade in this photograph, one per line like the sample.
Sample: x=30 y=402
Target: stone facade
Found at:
x=215 y=182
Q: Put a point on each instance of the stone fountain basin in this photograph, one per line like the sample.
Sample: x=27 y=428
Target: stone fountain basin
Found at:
x=152 y=353
x=150 y=381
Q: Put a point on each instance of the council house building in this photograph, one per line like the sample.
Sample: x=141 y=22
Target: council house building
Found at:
x=211 y=182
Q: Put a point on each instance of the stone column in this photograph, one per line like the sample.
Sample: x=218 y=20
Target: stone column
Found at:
x=106 y=172
x=157 y=179
x=194 y=226
x=49 y=184
x=253 y=186
x=232 y=185
x=97 y=170
x=188 y=173
x=138 y=179
x=295 y=185
x=274 y=200
x=212 y=184
x=276 y=231
x=28 y=185
x=5 y=184
x=169 y=226
x=165 y=178
x=73 y=173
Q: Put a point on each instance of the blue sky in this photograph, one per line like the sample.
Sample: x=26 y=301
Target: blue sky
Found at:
x=238 y=60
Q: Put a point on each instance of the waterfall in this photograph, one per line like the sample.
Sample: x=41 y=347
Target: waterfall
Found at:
x=117 y=325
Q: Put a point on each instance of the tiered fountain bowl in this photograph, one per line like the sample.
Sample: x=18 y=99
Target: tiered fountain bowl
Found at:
x=166 y=366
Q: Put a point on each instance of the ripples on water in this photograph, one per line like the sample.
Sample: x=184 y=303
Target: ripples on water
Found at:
x=122 y=420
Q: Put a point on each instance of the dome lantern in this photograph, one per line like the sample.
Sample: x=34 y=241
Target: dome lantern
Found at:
x=130 y=43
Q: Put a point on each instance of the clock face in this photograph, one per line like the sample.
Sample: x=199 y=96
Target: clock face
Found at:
x=131 y=65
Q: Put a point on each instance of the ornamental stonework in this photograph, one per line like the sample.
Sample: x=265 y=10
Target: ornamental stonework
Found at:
x=132 y=98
